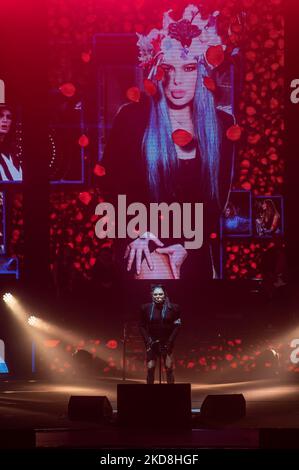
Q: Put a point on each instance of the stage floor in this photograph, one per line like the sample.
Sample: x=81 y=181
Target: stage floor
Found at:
x=42 y=406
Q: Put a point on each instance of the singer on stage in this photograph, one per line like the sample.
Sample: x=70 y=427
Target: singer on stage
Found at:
x=160 y=322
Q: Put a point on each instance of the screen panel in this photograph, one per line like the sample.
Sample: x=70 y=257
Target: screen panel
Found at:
x=251 y=124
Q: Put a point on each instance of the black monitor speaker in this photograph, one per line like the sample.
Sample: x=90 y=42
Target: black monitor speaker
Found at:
x=223 y=408
x=90 y=408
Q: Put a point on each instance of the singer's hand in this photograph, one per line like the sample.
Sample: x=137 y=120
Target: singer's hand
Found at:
x=177 y=255
x=167 y=348
x=148 y=345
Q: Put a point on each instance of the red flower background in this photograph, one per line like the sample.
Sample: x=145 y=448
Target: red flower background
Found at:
x=256 y=27
x=230 y=358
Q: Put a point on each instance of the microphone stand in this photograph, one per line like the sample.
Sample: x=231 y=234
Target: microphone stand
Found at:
x=157 y=345
x=160 y=364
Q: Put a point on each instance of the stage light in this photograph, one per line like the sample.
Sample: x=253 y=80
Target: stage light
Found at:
x=32 y=320
x=8 y=298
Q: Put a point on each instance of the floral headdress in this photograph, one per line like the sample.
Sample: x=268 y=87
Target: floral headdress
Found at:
x=192 y=37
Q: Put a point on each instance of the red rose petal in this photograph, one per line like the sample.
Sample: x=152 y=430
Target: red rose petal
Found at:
x=250 y=111
x=67 y=89
x=149 y=87
x=99 y=170
x=181 y=137
x=107 y=244
x=234 y=132
x=112 y=344
x=254 y=139
x=245 y=163
x=209 y=83
x=229 y=357
x=246 y=186
x=85 y=56
x=133 y=94
x=215 y=55
x=85 y=197
x=160 y=73
x=83 y=140
x=274 y=103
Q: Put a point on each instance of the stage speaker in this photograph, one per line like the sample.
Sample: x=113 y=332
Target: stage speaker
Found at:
x=223 y=408
x=89 y=408
x=154 y=405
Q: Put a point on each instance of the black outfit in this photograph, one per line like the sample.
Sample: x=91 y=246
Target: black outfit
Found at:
x=126 y=173
x=159 y=325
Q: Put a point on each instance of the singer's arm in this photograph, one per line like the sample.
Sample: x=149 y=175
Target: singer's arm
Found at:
x=177 y=324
